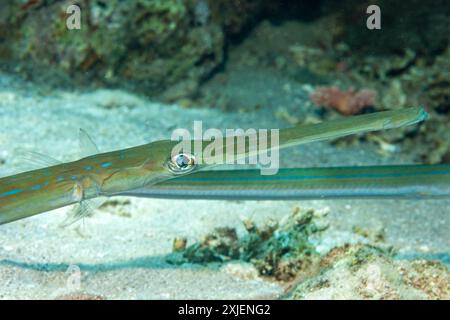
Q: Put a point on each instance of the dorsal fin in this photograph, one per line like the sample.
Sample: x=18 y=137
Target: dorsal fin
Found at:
x=31 y=160
x=87 y=145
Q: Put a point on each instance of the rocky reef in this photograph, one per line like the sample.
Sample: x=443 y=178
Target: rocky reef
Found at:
x=149 y=45
x=368 y=272
x=167 y=49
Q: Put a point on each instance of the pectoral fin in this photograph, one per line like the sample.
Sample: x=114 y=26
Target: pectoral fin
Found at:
x=84 y=208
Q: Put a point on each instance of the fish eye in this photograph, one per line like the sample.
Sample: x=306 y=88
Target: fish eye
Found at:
x=181 y=163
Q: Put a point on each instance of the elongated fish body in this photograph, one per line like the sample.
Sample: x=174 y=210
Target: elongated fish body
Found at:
x=29 y=193
x=117 y=172
x=402 y=181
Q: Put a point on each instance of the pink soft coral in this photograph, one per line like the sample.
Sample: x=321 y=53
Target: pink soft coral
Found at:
x=345 y=102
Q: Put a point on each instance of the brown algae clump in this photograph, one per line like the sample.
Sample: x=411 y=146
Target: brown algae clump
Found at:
x=278 y=249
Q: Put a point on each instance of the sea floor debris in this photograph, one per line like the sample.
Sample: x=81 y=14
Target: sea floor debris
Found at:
x=364 y=271
x=278 y=249
x=285 y=251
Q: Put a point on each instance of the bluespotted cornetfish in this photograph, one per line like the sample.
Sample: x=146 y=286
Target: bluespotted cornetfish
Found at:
x=126 y=171
x=395 y=181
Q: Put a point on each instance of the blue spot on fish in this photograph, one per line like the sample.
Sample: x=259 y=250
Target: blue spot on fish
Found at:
x=88 y=168
x=39 y=186
x=11 y=192
x=74 y=177
x=60 y=178
x=106 y=164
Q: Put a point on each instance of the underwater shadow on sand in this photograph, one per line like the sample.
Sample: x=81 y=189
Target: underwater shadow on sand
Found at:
x=146 y=262
x=160 y=262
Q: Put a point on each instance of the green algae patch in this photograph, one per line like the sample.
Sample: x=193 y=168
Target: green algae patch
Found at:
x=277 y=249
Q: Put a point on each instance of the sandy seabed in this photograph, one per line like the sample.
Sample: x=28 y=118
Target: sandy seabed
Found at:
x=120 y=251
